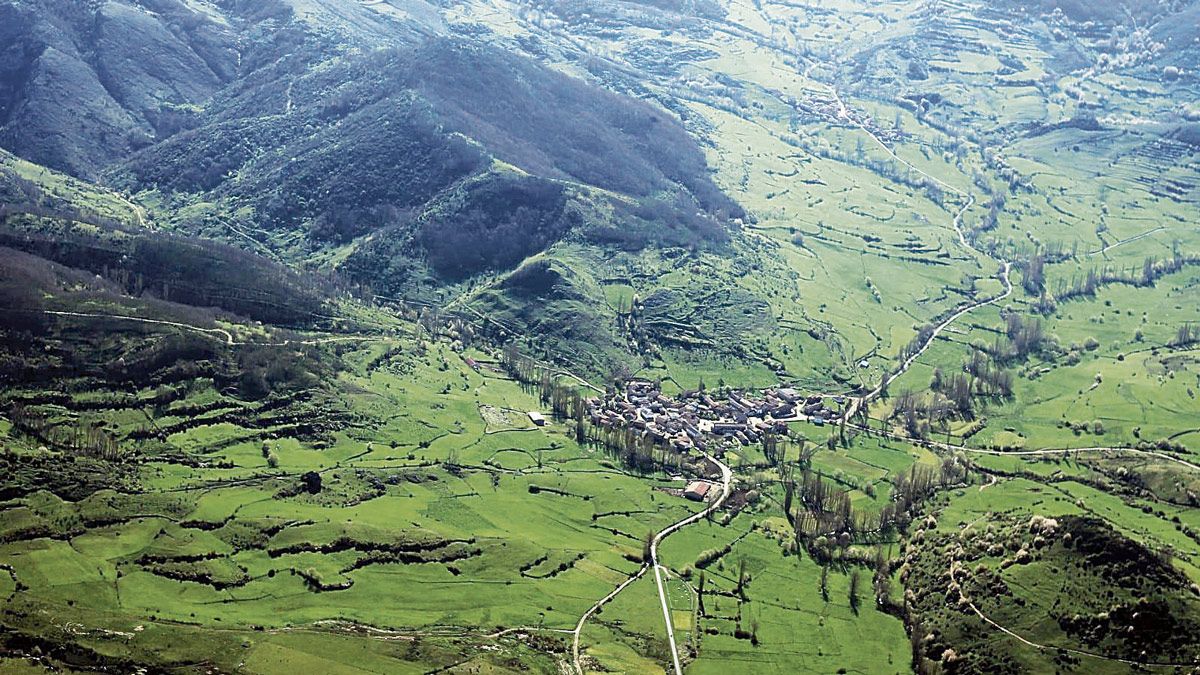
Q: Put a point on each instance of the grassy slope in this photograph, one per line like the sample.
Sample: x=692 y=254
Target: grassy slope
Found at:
x=799 y=172
x=793 y=169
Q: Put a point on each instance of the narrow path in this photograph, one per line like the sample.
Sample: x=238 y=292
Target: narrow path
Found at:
x=844 y=113
x=287 y=107
x=558 y=370
x=940 y=445
x=210 y=332
x=343 y=627
x=1122 y=242
x=267 y=251
x=215 y=332
x=1067 y=451
x=138 y=212
x=956 y=567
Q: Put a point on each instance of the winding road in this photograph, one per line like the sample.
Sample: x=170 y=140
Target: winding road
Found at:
x=726 y=481
x=843 y=112
x=1006 y=270
x=1005 y=278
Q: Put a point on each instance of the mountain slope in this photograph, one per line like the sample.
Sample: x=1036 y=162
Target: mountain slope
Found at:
x=135 y=68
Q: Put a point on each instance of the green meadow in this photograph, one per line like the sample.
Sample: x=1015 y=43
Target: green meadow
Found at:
x=1021 y=497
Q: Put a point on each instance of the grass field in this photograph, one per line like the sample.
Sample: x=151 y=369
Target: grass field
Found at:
x=401 y=512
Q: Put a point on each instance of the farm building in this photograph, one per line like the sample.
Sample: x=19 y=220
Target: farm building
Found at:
x=537 y=418
x=697 y=490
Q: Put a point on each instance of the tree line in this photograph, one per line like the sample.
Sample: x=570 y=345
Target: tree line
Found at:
x=633 y=448
x=87 y=440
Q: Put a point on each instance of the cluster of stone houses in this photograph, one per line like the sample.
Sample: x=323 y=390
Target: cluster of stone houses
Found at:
x=694 y=419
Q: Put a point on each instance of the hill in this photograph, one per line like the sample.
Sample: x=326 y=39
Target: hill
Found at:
x=404 y=336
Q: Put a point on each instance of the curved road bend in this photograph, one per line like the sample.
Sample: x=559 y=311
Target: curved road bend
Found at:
x=843 y=112
x=726 y=481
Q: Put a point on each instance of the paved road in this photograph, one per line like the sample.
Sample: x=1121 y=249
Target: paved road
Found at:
x=726 y=481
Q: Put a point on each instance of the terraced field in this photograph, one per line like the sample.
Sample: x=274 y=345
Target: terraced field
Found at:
x=969 y=228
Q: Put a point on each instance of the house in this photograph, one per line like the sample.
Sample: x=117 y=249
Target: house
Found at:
x=788 y=394
x=782 y=411
x=697 y=490
x=725 y=428
x=537 y=418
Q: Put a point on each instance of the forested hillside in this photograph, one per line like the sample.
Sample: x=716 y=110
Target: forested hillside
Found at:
x=599 y=336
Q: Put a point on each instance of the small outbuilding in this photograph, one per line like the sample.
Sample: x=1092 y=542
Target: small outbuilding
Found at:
x=537 y=418
x=697 y=490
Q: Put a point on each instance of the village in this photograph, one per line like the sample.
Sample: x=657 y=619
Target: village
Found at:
x=695 y=419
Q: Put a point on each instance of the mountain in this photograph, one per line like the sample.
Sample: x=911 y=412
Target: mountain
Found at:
x=403 y=336
x=361 y=136
x=84 y=83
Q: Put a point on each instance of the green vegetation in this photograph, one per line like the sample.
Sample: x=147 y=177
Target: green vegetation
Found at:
x=282 y=287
